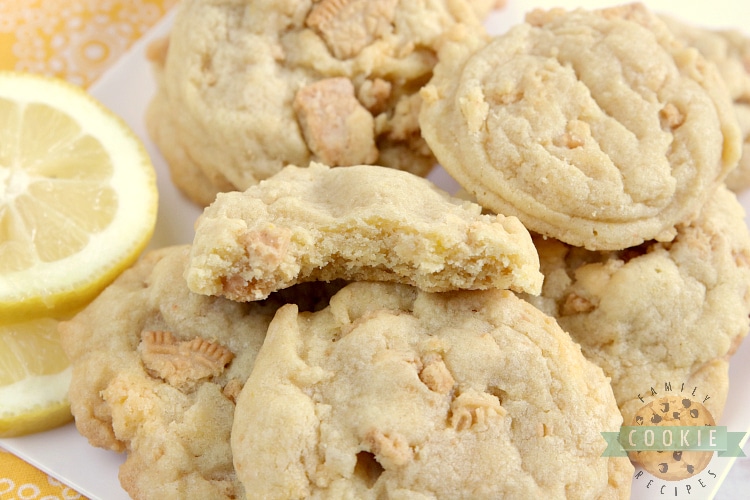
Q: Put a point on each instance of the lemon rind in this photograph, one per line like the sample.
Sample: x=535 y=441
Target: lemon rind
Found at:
x=34 y=392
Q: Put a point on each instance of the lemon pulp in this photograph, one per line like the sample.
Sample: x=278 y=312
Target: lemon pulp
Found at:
x=78 y=196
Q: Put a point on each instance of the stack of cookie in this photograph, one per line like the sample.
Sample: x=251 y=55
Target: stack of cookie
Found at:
x=342 y=332
x=611 y=141
x=357 y=332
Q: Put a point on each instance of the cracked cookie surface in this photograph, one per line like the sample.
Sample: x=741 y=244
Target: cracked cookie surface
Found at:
x=596 y=128
x=661 y=312
x=243 y=90
x=356 y=223
x=156 y=371
x=391 y=392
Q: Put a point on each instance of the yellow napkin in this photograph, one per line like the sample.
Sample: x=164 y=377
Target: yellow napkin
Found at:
x=20 y=480
x=76 y=40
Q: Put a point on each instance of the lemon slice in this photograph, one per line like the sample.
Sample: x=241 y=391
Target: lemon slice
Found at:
x=34 y=378
x=78 y=197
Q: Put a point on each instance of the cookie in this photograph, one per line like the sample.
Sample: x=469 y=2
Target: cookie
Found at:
x=596 y=128
x=244 y=91
x=661 y=313
x=156 y=370
x=730 y=51
x=392 y=392
x=357 y=223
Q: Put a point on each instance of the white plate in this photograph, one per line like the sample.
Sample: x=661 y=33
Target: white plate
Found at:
x=127 y=88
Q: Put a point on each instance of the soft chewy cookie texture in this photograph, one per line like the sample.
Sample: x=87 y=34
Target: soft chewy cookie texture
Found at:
x=661 y=312
x=392 y=392
x=596 y=128
x=156 y=370
x=730 y=51
x=244 y=88
x=356 y=223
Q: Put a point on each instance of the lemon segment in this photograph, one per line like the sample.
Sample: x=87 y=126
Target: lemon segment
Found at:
x=78 y=196
x=34 y=377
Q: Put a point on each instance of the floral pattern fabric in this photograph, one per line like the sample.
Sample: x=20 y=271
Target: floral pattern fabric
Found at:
x=73 y=39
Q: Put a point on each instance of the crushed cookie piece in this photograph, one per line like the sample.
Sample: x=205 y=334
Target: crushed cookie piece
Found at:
x=543 y=430
x=575 y=304
x=474 y=409
x=574 y=136
x=390 y=451
x=232 y=389
x=265 y=248
x=181 y=363
x=671 y=117
x=268 y=244
x=336 y=127
x=742 y=258
x=436 y=375
x=374 y=94
x=566 y=140
x=348 y=26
